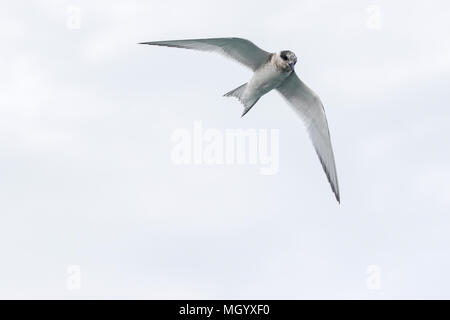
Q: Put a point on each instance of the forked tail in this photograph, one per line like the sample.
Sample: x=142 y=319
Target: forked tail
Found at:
x=239 y=94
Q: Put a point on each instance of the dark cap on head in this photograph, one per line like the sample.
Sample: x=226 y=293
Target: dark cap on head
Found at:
x=284 y=54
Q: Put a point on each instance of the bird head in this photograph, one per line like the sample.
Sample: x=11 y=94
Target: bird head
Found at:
x=287 y=60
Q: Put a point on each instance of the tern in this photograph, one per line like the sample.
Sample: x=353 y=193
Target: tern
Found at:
x=272 y=71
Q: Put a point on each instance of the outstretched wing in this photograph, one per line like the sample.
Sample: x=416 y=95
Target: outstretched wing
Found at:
x=238 y=49
x=308 y=105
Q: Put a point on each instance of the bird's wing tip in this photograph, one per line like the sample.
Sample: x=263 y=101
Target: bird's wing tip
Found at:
x=338 y=198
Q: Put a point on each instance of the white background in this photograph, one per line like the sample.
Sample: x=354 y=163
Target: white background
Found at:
x=86 y=177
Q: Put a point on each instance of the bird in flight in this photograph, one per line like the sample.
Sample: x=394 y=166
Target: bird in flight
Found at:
x=272 y=71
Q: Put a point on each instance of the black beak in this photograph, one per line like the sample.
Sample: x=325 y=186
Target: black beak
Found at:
x=292 y=63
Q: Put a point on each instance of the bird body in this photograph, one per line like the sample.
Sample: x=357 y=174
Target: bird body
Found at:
x=273 y=71
x=267 y=77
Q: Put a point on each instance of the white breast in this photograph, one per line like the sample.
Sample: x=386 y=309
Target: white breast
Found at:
x=265 y=79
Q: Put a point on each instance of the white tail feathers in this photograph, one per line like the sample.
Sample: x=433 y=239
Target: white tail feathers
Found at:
x=239 y=94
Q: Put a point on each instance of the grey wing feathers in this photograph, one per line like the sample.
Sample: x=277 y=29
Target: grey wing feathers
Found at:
x=308 y=105
x=241 y=50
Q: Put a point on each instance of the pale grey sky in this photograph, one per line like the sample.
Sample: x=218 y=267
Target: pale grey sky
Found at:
x=87 y=178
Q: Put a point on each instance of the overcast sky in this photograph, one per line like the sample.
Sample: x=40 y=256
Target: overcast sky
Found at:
x=92 y=206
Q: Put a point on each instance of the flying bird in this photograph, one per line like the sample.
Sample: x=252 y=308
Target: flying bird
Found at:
x=272 y=71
